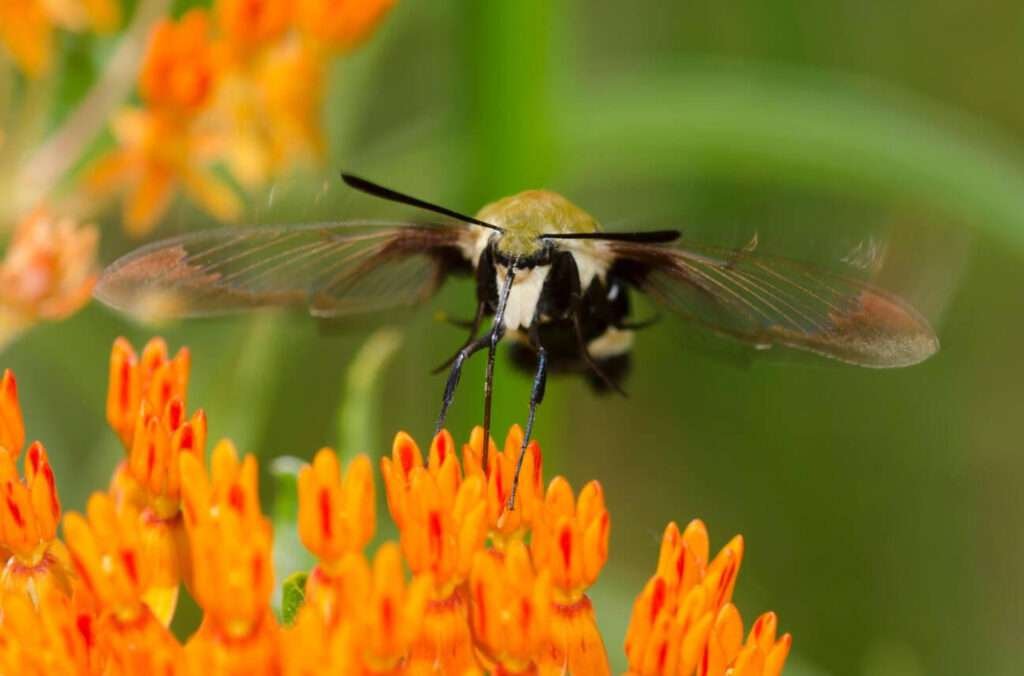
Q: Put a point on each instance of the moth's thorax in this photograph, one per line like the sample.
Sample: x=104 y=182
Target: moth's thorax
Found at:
x=528 y=215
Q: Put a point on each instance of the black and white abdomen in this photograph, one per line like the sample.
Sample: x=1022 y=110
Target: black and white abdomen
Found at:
x=579 y=325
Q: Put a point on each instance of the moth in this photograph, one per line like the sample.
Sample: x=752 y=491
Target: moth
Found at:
x=548 y=279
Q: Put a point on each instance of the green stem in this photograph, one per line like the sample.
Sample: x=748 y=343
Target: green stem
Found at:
x=358 y=416
x=512 y=146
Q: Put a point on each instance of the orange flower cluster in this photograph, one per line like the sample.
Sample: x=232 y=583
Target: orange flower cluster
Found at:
x=239 y=85
x=488 y=590
x=47 y=272
x=27 y=27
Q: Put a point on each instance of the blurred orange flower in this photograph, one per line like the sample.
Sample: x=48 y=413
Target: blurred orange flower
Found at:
x=159 y=152
x=252 y=24
x=341 y=24
x=164 y=146
x=180 y=71
x=47 y=273
x=27 y=27
x=236 y=86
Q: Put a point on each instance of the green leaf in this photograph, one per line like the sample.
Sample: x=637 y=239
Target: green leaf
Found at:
x=293 y=594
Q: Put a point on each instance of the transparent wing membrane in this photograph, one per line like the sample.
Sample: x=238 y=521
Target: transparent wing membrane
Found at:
x=769 y=301
x=334 y=269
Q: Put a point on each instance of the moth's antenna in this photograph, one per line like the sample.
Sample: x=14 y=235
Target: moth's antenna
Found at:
x=652 y=237
x=371 y=188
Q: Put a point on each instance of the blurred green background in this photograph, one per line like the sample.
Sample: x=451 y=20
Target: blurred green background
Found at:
x=882 y=510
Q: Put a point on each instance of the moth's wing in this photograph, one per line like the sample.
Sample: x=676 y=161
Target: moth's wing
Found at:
x=334 y=269
x=768 y=301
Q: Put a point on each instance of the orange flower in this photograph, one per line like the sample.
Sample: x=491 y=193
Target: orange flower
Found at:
x=336 y=521
x=29 y=512
x=27 y=27
x=376 y=633
x=683 y=619
x=508 y=608
x=570 y=541
x=50 y=636
x=511 y=611
x=442 y=520
x=157 y=444
x=47 y=273
x=233 y=573
x=150 y=481
x=267 y=114
x=503 y=523
x=148 y=384
x=341 y=24
x=158 y=153
x=180 y=72
x=164 y=146
x=251 y=24
x=114 y=563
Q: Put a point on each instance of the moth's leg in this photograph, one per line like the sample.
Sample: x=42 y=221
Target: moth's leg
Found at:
x=497 y=331
x=461 y=356
x=474 y=328
x=536 y=397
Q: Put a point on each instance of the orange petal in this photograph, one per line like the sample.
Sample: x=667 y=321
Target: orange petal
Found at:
x=12 y=428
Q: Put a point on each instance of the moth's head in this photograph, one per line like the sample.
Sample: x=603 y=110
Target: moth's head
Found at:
x=528 y=215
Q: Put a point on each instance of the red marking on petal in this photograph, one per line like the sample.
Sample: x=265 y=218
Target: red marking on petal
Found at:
x=175 y=414
x=325 y=513
x=188 y=438
x=526 y=610
x=236 y=498
x=130 y=567
x=150 y=457
x=33 y=458
x=126 y=385
x=405 y=457
x=387 y=616
x=257 y=569
x=51 y=483
x=442 y=448
x=12 y=507
x=565 y=543
x=12 y=386
x=83 y=623
x=704 y=658
x=681 y=563
x=81 y=570
x=657 y=598
x=538 y=462
x=759 y=626
x=662 y=656
x=434 y=531
x=723 y=584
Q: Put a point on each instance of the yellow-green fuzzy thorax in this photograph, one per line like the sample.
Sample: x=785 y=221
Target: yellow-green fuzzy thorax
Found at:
x=532 y=213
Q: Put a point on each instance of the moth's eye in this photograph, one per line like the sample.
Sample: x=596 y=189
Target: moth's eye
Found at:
x=613 y=291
